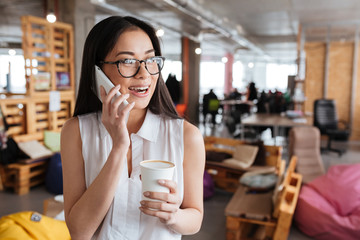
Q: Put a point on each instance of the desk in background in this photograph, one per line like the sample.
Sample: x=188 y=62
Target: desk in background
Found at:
x=227 y=104
x=234 y=111
x=235 y=101
x=276 y=121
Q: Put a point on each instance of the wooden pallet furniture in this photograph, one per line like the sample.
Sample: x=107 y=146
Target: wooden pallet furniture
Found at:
x=227 y=177
x=48 y=48
x=25 y=173
x=49 y=56
x=48 y=51
x=26 y=125
x=21 y=177
x=264 y=215
x=28 y=117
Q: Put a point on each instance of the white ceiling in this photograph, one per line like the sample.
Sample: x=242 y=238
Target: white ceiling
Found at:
x=250 y=29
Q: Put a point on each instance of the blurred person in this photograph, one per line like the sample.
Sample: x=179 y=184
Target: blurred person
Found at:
x=251 y=93
x=210 y=106
x=174 y=88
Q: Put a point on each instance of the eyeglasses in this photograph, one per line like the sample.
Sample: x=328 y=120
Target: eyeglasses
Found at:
x=130 y=67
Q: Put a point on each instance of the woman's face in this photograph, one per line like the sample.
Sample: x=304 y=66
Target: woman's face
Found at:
x=133 y=44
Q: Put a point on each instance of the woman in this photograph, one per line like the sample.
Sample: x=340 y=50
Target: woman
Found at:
x=101 y=149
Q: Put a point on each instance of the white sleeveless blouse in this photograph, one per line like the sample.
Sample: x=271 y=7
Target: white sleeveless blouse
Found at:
x=158 y=138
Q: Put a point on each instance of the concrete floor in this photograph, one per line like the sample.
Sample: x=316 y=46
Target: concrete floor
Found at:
x=214 y=220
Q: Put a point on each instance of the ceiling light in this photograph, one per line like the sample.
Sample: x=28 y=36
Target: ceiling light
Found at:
x=12 y=52
x=198 y=51
x=160 y=32
x=51 y=17
x=224 y=59
x=250 y=64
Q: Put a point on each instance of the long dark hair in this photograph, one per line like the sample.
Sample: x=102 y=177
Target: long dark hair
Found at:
x=99 y=42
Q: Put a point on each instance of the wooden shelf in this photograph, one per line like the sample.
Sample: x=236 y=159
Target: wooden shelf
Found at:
x=49 y=52
x=48 y=48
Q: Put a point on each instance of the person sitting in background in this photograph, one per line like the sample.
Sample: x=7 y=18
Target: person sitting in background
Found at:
x=174 y=88
x=251 y=93
x=277 y=102
x=235 y=95
x=210 y=105
x=263 y=103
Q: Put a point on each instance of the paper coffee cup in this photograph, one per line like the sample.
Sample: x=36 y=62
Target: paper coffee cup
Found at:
x=151 y=172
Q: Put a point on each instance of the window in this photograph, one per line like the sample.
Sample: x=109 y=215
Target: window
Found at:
x=238 y=75
x=174 y=67
x=212 y=75
x=17 y=70
x=277 y=75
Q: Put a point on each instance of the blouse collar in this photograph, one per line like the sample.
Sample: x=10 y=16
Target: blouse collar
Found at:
x=149 y=129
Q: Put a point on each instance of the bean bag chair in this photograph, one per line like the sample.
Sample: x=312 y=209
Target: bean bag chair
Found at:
x=31 y=225
x=329 y=206
x=54 y=179
x=209 y=187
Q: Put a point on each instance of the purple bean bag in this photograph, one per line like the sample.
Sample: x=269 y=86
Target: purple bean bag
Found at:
x=209 y=187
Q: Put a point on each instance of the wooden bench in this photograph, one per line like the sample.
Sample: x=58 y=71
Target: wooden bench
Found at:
x=254 y=216
x=227 y=177
x=22 y=176
x=25 y=173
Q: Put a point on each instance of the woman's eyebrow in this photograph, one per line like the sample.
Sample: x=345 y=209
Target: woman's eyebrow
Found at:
x=150 y=51
x=124 y=52
x=132 y=53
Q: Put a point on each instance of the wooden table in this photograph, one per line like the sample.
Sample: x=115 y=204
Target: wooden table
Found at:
x=255 y=216
x=235 y=102
x=276 y=121
x=52 y=208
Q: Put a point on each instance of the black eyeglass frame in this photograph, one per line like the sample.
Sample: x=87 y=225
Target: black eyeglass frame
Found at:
x=137 y=71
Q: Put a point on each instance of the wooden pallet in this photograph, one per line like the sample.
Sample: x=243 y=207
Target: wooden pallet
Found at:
x=270 y=222
x=227 y=177
x=21 y=177
x=52 y=46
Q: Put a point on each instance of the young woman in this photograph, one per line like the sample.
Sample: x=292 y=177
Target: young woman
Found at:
x=101 y=149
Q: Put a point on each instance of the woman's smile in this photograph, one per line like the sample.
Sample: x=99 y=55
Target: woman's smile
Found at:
x=140 y=91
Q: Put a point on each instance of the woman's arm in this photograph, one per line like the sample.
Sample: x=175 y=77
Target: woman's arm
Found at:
x=188 y=218
x=190 y=215
x=86 y=208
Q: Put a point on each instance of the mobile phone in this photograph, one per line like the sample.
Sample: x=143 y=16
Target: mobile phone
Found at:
x=103 y=80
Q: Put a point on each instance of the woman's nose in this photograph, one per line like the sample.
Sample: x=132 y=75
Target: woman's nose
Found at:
x=143 y=72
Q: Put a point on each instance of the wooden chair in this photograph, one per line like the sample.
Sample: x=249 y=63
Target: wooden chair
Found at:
x=227 y=177
x=254 y=216
x=304 y=143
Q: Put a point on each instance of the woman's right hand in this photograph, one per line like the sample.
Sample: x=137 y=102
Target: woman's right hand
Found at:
x=114 y=119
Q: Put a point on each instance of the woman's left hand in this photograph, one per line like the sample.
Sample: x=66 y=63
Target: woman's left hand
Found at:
x=168 y=205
